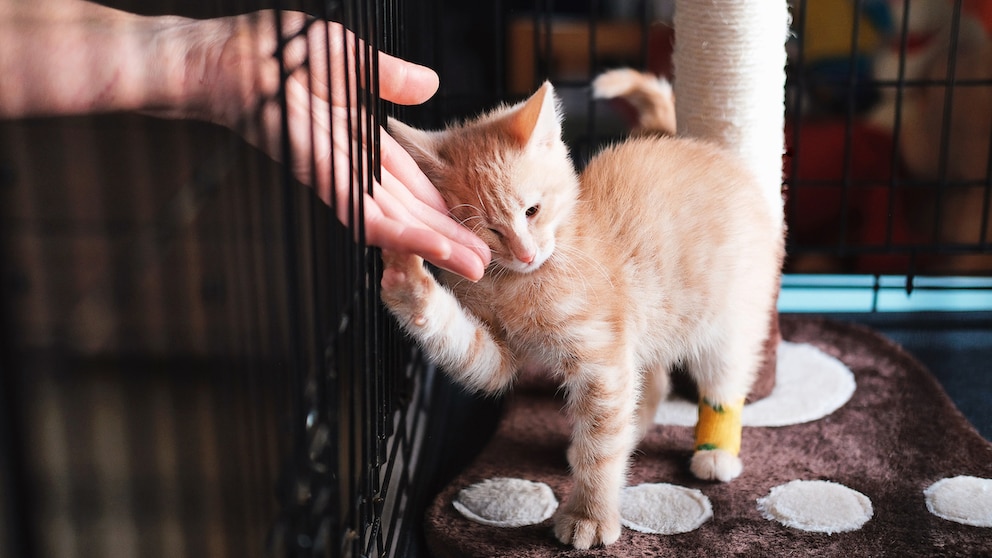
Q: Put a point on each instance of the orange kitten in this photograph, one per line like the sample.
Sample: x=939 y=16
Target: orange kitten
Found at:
x=661 y=252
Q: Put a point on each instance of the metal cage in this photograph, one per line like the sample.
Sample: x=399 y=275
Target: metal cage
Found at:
x=194 y=358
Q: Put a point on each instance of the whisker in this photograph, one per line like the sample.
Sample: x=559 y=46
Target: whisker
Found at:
x=485 y=210
x=473 y=217
x=464 y=205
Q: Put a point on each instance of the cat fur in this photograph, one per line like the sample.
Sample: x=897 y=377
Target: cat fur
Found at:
x=662 y=252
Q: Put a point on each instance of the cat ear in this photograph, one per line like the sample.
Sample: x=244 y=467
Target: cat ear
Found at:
x=420 y=144
x=536 y=120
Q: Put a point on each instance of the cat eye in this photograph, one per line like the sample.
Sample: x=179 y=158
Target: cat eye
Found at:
x=496 y=232
x=532 y=210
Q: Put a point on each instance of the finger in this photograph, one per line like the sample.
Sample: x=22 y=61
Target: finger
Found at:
x=319 y=54
x=404 y=82
x=390 y=223
x=427 y=215
x=456 y=256
x=409 y=207
x=331 y=49
x=398 y=162
x=393 y=235
x=460 y=261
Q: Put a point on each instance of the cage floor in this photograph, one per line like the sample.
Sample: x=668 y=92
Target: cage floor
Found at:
x=955 y=347
x=898 y=435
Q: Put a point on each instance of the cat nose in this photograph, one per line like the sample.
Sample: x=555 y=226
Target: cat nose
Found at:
x=526 y=254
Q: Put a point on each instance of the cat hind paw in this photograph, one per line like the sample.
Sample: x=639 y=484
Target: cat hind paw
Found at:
x=716 y=464
x=584 y=533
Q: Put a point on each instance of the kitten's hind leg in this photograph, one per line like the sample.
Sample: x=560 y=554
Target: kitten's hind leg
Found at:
x=724 y=374
x=718 y=440
x=655 y=389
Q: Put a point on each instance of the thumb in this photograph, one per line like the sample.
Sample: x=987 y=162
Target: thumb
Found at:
x=404 y=82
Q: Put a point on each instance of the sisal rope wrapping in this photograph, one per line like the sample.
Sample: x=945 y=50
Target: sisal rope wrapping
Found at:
x=729 y=85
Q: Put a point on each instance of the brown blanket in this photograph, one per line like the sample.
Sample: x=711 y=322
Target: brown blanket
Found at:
x=897 y=435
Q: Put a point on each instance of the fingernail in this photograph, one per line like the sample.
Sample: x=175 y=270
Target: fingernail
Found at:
x=473 y=275
x=481 y=270
x=482 y=249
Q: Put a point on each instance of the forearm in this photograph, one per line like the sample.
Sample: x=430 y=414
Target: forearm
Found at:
x=60 y=57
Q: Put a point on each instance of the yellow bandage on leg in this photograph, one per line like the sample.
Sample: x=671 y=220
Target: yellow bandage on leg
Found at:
x=719 y=426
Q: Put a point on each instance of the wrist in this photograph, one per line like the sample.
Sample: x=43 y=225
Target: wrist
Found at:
x=176 y=55
x=214 y=70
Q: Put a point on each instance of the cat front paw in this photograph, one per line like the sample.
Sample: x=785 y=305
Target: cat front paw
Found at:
x=406 y=287
x=716 y=464
x=584 y=532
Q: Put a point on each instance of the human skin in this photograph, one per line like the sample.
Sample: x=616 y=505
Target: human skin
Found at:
x=68 y=57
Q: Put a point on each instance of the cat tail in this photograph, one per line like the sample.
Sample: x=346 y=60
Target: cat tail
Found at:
x=651 y=97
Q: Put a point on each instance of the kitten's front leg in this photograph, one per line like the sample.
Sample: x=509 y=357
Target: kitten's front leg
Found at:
x=452 y=338
x=602 y=405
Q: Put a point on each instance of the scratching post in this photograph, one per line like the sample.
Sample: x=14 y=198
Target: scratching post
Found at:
x=729 y=61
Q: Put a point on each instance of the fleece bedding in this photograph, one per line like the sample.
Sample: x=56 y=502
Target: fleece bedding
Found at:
x=856 y=452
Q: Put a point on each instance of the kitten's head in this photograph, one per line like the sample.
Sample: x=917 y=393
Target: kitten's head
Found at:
x=506 y=175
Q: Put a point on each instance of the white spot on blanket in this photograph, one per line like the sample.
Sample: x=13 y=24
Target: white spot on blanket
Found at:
x=663 y=509
x=809 y=385
x=506 y=502
x=963 y=499
x=817 y=506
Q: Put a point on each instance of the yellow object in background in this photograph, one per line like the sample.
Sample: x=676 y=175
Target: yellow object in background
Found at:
x=829 y=25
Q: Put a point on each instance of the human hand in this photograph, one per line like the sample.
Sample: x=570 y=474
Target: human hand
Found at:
x=64 y=57
x=232 y=78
